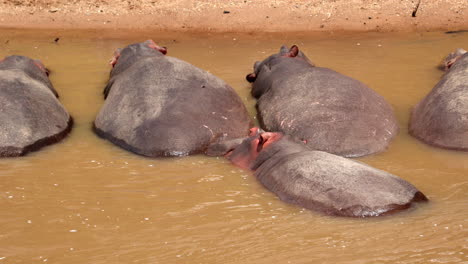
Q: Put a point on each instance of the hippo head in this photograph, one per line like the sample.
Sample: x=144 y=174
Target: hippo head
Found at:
x=284 y=52
x=451 y=59
x=33 y=68
x=124 y=58
x=244 y=154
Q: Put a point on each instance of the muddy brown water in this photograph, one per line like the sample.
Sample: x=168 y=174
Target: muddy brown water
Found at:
x=85 y=200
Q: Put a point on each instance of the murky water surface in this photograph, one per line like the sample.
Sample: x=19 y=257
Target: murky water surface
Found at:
x=85 y=200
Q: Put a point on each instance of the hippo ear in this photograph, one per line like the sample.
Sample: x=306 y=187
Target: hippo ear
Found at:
x=41 y=66
x=153 y=45
x=449 y=64
x=116 y=57
x=284 y=49
x=251 y=77
x=293 y=51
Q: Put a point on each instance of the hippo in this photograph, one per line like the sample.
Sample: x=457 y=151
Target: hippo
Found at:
x=31 y=116
x=161 y=106
x=329 y=111
x=448 y=61
x=441 y=118
x=317 y=180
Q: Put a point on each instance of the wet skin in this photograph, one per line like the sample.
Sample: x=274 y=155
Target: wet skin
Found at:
x=320 y=181
x=160 y=106
x=441 y=118
x=31 y=116
x=329 y=111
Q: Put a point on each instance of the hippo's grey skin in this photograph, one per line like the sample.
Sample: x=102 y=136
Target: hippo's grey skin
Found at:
x=321 y=181
x=31 y=116
x=159 y=106
x=329 y=111
x=441 y=118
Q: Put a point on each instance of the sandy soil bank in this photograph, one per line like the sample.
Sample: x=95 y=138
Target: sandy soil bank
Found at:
x=238 y=15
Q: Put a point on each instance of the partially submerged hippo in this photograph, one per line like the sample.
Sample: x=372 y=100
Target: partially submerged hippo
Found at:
x=318 y=180
x=158 y=105
x=441 y=118
x=31 y=116
x=329 y=111
x=448 y=61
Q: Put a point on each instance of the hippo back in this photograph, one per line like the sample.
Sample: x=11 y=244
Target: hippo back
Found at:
x=441 y=118
x=162 y=106
x=31 y=115
x=330 y=111
x=332 y=184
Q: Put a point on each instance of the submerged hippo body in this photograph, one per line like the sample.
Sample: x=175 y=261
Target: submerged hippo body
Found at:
x=31 y=116
x=329 y=111
x=321 y=181
x=158 y=105
x=441 y=118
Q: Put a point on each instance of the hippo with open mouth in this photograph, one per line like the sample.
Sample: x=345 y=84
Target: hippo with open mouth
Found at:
x=318 y=180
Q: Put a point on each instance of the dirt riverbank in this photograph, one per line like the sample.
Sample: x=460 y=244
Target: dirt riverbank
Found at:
x=238 y=15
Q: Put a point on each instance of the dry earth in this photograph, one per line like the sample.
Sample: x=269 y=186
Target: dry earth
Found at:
x=238 y=15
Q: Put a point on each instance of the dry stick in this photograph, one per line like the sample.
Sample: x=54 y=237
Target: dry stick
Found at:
x=416 y=9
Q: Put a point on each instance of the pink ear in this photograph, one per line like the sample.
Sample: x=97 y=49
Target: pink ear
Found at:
x=293 y=51
x=449 y=63
x=153 y=45
x=163 y=50
x=116 y=57
x=41 y=66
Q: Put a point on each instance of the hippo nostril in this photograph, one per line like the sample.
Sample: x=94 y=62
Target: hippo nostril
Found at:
x=261 y=141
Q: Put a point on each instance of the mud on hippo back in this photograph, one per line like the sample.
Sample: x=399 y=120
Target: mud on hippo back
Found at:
x=158 y=105
x=318 y=180
x=329 y=111
x=441 y=118
x=31 y=116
